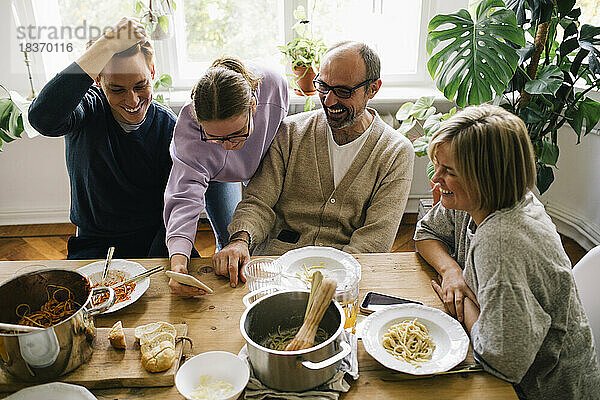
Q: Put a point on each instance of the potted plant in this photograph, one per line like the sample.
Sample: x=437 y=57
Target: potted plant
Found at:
x=304 y=52
x=156 y=17
x=419 y=121
x=11 y=120
x=533 y=57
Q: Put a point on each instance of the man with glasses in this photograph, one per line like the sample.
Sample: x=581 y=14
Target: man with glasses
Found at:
x=336 y=177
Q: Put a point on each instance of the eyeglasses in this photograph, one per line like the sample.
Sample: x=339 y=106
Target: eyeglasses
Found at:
x=343 y=92
x=234 y=138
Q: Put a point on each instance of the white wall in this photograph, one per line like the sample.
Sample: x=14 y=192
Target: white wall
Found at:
x=573 y=200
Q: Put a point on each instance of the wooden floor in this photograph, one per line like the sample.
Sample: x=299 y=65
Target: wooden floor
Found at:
x=49 y=242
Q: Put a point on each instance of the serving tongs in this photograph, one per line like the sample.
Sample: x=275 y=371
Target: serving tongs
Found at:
x=138 y=277
x=20 y=328
x=109 y=256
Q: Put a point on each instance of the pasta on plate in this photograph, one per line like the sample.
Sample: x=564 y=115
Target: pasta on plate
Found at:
x=409 y=341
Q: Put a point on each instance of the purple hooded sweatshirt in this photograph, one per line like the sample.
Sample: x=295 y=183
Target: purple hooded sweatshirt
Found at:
x=196 y=163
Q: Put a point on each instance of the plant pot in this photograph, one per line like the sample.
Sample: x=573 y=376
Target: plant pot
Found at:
x=304 y=80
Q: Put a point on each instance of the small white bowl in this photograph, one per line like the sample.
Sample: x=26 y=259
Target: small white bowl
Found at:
x=218 y=365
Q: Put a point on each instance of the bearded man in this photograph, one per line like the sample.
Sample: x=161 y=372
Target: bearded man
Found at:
x=338 y=176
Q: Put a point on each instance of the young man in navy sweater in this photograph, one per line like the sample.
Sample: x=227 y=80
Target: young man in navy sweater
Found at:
x=117 y=144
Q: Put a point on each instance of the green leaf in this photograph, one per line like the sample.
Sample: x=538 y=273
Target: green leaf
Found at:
x=548 y=81
x=139 y=6
x=475 y=60
x=422 y=107
x=407 y=125
x=13 y=124
x=549 y=153
x=545 y=177
x=309 y=104
x=404 y=111
x=160 y=98
x=420 y=145
x=163 y=22
x=432 y=124
x=530 y=115
x=430 y=170
x=300 y=13
x=5 y=137
x=587 y=110
x=5 y=109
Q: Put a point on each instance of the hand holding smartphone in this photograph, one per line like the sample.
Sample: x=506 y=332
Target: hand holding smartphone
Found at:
x=374 y=301
x=189 y=280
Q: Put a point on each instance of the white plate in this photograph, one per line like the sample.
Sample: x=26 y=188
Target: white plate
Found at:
x=451 y=340
x=337 y=264
x=53 y=391
x=118 y=267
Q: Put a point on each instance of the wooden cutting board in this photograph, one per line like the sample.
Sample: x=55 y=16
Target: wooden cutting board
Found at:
x=111 y=368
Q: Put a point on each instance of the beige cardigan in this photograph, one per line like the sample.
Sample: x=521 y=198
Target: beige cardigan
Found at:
x=293 y=190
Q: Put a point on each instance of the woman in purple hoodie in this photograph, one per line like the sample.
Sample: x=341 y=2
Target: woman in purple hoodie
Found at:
x=219 y=140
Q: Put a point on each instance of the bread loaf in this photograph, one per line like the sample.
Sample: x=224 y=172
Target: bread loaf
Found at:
x=157 y=345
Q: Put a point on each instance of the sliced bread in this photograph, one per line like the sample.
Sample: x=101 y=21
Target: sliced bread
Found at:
x=152 y=329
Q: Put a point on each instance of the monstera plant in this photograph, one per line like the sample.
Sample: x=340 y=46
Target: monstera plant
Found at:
x=533 y=57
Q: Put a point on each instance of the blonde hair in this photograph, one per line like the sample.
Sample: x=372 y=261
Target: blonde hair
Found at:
x=492 y=152
x=224 y=91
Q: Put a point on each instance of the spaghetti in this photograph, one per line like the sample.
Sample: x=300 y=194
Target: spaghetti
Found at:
x=280 y=339
x=60 y=305
x=122 y=292
x=409 y=341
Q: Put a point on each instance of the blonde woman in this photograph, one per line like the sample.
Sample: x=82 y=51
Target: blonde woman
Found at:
x=219 y=140
x=530 y=328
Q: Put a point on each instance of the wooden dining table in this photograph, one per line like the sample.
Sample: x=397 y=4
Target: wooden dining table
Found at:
x=213 y=324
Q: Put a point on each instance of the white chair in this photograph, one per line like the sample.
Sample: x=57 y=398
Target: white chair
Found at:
x=587 y=276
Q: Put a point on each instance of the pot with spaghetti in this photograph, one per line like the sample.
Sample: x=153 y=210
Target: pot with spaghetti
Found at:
x=271 y=322
x=60 y=302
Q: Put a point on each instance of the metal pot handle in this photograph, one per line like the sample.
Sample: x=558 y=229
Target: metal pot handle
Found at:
x=106 y=304
x=346 y=349
x=251 y=297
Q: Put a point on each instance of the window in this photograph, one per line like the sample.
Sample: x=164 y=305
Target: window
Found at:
x=253 y=30
x=590 y=11
x=202 y=30
x=206 y=30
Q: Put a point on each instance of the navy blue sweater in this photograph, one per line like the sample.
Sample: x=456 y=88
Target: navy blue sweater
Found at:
x=117 y=178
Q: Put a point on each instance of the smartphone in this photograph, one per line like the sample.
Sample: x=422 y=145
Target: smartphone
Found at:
x=189 y=280
x=377 y=301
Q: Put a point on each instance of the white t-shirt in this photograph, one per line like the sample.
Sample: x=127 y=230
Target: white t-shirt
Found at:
x=341 y=157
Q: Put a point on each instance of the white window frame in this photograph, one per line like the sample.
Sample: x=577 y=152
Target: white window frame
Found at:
x=168 y=50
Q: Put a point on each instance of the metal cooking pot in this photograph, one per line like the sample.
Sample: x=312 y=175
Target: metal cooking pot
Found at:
x=299 y=370
x=44 y=355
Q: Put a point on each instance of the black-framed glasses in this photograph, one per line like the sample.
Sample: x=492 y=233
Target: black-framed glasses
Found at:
x=343 y=92
x=233 y=138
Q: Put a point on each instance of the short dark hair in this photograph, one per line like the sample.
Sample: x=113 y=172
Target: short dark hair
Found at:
x=371 y=59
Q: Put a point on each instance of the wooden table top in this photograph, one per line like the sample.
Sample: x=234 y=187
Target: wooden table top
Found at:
x=213 y=324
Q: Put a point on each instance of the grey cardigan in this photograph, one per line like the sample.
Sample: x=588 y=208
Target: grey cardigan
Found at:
x=532 y=330
x=293 y=191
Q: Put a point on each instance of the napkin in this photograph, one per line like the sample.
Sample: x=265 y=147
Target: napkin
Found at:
x=329 y=390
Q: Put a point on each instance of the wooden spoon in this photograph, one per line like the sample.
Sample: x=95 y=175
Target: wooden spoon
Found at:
x=305 y=338
x=316 y=280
